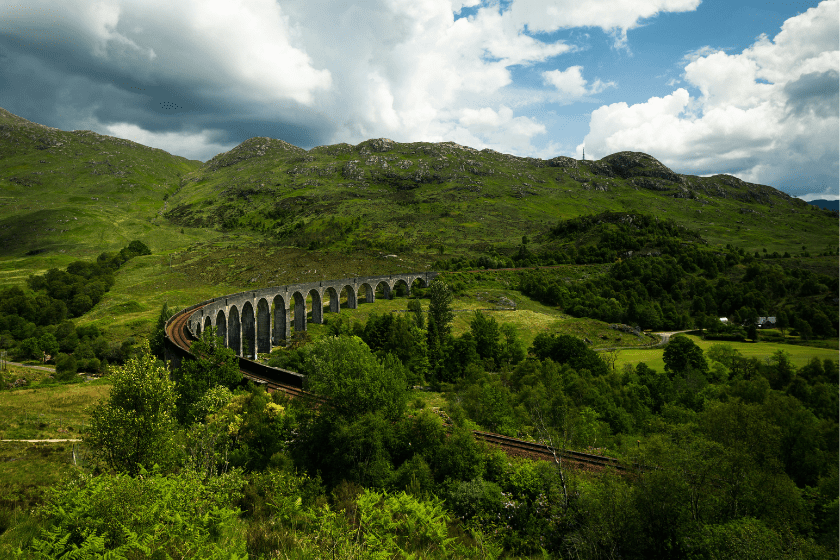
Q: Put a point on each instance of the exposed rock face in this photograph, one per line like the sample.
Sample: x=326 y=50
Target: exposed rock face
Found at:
x=252 y=148
x=638 y=164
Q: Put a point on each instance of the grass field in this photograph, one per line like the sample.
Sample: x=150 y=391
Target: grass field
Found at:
x=530 y=318
x=48 y=412
x=800 y=355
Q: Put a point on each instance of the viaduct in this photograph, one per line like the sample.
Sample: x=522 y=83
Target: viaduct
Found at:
x=252 y=322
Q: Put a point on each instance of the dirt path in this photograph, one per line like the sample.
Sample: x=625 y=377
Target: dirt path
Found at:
x=43 y=368
x=40 y=440
x=665 y=336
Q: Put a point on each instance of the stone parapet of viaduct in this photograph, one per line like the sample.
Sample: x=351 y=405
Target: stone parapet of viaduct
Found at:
x=251 y=322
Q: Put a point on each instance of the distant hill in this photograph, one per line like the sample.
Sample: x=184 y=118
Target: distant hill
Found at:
x=827 y=204
x=67 y=191
x=393 y=197
x=81 y=192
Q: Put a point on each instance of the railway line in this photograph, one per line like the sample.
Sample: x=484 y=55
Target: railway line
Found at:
x=176 y=331
x=541 y=452
x=181 y=340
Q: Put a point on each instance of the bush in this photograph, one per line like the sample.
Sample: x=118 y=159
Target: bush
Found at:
x=65 y=367
x=178 y=516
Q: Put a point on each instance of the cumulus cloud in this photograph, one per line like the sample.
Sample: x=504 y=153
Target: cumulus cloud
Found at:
x=308 y=71
x=767 y=115
x=617 y=16
x=571 y=85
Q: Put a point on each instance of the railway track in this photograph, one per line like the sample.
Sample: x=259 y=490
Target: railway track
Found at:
x=176 y=330
x=538 y=451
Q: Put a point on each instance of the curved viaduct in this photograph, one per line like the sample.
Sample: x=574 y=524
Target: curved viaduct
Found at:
x=252 y=322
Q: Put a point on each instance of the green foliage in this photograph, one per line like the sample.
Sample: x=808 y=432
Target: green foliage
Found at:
x=440 y=306
x=135 y=426
x=567 y=349
x=149 y=516
x=344 y=370
x=213 y=365
x=65 y=367
x=156 y=340
x=682 y=355
x=398 y=523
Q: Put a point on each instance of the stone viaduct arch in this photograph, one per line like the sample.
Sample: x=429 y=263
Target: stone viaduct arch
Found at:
x=251 y=322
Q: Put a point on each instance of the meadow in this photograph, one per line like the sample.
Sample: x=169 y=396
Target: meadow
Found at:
x=800 y=355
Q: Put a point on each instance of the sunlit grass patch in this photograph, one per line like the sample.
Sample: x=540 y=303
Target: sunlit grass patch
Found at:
x=800 y=355
x=48 y=412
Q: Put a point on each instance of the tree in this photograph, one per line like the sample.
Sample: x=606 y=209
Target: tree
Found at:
x=213 y=365
x=567 y=349
x=156 y=341
x=681 y=355
x=782 y=322
x=29 y=349
x=802 y=327
x=135 y=426
x=65 y=367
x=345 y=371
x=440 y=306
x=48 y=344
x=485 y=332
x=417 y=309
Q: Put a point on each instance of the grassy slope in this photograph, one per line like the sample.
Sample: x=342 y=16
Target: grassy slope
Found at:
x=800 y=355
x=360 y=202
x=400 y=197
x=65 y=195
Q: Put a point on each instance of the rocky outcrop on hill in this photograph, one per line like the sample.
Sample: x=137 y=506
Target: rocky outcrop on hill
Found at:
x=638 y=164
x=254 y=148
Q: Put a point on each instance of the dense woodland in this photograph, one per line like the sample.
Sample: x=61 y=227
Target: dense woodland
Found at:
x=727 y=456
x=35 y=322
x=664 y=276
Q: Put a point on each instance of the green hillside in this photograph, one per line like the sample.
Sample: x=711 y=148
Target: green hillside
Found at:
x=268 y=213
x=79 y=193
x=399 y=198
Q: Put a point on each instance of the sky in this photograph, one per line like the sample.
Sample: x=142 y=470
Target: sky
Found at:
x=744 y=87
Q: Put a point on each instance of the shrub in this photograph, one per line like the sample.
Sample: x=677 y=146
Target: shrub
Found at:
x=65 y=367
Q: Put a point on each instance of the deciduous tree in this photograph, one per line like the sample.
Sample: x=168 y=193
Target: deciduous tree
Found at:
x=135 y=425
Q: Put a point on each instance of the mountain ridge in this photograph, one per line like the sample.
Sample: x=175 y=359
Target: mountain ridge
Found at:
x=58 y=187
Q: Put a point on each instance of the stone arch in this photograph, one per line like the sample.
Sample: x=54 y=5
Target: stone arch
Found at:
x=352 y=297
x=335 y=300
x=419 y=282
x=221 y=326
x=281 y=319
x=370 y=293
x=299 y=311
x=208 y=322
x=263 y=327
x=234 y=329
x=249 y=331
x=399 y=284
x=386 y=289
x=317 y=306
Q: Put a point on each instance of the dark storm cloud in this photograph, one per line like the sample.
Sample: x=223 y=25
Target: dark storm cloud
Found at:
x=817 y=92
x=62 y=83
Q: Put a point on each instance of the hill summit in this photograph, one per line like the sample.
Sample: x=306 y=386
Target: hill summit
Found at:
x=62 y=190
x=393 y=196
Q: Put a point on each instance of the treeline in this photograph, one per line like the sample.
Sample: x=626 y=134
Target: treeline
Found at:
x=669 y=292
x=664 y=276
x=421 y=341
x=36 y=321
x=724 y=458
x=745 y=451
